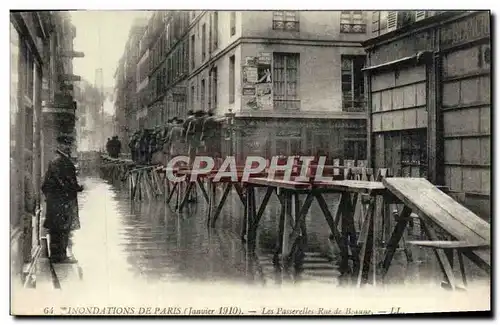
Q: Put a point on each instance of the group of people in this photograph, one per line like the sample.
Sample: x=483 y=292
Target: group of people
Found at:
x=113 y=147
x=200 y=131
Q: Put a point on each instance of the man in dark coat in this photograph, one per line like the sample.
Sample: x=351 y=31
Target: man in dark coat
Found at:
x=194 y=133
x=60 y=188
x=211 y=135
x=108 y=146
x=115 y=147
x=176 y=139
x=133 y=145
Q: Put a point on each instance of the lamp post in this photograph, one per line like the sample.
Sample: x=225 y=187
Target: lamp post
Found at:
x=230 y=118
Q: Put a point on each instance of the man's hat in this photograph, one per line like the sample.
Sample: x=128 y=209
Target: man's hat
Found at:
x=64 y=139
x=199 y=113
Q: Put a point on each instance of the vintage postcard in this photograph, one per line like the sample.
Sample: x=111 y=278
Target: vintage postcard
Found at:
x=250 y=163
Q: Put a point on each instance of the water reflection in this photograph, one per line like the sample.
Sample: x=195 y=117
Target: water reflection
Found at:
x=158 y=244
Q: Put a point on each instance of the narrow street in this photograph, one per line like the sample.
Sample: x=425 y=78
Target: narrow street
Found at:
x=144 y=253
x=122 y=244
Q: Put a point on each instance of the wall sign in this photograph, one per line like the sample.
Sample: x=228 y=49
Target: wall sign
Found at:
x=257 y=91
x=466 y=30
x=250 y=75
x=248 y=91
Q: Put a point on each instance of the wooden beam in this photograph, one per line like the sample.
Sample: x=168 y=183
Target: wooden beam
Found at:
x=70 y=77
x=72 y=54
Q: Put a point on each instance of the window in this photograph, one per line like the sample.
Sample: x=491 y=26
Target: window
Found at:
x=379 y=21
x=167 y=35
x=286 y=20
x=353 y=85
x=215 y=38
x=214 y=87
x=192 y=51
x=375 y=21
x=202 y=94
x=163 y=77
x=352 y=22
x=203 y=41
x=231 y=79
x=286 y=81
x=162 y=46
x=186 y=57
x=169 y=69
x=158 y=84
x=192 y=97
x=232 y=22
x=29 y=83
x=180 y=56
x=174 y=65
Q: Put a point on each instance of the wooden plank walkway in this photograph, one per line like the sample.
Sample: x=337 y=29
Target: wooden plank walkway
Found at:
x=434 y=205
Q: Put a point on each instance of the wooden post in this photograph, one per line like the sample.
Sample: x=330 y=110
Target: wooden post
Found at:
x=368 y=87
x=250 y=219
x=435 y=140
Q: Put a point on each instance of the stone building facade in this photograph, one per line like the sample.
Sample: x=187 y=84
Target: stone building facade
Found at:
x=301 y=69
x=41 y=108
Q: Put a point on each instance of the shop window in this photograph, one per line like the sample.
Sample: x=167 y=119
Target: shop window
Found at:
x=286 y=81
x=352 y=22
x=405 y=152
x=353 y=83
x=286 y=20
x=321 y=144
x=354 y=149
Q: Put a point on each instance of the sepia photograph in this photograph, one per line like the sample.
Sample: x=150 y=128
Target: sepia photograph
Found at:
x=188 y=162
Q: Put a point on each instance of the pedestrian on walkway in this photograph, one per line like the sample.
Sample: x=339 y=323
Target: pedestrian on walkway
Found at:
x=115 y=147
x=108 y=147
x=60 y=187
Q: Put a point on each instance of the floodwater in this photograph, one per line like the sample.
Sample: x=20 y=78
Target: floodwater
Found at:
x=148 y=242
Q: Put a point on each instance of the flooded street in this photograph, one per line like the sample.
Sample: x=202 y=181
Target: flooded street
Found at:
x=129 y=242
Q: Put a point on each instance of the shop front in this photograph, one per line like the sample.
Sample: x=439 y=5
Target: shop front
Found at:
x=343 y=139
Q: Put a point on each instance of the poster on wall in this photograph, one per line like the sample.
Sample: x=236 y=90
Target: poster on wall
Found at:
x=250 y=75
x=257 y=82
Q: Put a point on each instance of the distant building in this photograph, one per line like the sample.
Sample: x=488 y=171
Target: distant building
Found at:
x=125 y=95
x=429 y=84
x=88 y=117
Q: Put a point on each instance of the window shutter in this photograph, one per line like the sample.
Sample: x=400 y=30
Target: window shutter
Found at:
x=419 y=15
x=392 y=20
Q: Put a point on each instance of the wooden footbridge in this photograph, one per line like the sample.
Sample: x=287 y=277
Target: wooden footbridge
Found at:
x=363 y=225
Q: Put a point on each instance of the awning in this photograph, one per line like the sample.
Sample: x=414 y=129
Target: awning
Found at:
x=414 y=59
